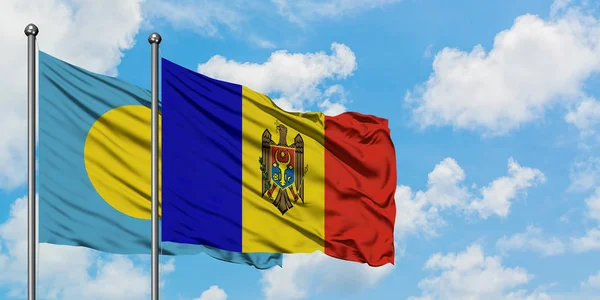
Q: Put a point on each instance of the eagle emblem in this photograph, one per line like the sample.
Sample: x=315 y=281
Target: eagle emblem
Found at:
x=283 y=169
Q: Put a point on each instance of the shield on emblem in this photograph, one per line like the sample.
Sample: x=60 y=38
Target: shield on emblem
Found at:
x=282 y=172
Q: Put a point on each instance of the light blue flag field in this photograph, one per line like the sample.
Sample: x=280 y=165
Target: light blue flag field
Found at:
x=94 y=166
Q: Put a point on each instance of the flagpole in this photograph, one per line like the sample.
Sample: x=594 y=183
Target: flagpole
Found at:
x=31 y=32
x=154 y=40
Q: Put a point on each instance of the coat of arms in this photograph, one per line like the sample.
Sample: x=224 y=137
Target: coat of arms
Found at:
x=283 y=169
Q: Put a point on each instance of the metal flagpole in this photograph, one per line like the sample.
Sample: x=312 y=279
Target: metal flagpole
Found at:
x=154 y=40
x=31 y=32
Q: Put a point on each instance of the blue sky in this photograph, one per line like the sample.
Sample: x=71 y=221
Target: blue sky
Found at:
x=493 y=111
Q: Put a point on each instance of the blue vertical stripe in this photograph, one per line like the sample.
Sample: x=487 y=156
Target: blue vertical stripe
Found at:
x=201 y=159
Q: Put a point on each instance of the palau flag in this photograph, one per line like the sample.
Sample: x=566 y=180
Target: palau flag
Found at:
x=94 y=166
x=241 y=174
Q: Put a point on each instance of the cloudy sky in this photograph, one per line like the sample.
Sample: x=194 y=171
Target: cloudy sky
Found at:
x=493 y=108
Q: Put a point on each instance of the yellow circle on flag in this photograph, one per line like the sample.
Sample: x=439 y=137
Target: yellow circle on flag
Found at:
x=117 y=155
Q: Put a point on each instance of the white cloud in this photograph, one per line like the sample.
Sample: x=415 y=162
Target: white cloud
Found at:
x=118 y=278
x=420 y=211
x=496 y=196
x=331 y=109
x=593 y=205
x=297 y=78
x=468 y=274
x=532 y=66
x=304 y=272
x=214 y=18
x=261 y=42
x=204 y=17
x=586 y=116
x=334 y=100
x=532 y=239
x=167 y=267
x=524 y=295
x=414 y=213
x=68 y=272
x=213 y=293
x=71 y=30
x=559 y=6
x=589 y=242
x=593 y=282
x=209 y=17
x=302 y=11
x=585 y=174
x=428 y=51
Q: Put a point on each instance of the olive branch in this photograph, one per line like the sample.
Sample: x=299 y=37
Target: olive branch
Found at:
x=265 y=175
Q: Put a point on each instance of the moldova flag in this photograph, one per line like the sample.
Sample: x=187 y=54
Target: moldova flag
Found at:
x=94 y=166
x=240 y=174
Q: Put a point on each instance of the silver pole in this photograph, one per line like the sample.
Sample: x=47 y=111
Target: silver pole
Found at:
x=154 y=40
x=31 y=32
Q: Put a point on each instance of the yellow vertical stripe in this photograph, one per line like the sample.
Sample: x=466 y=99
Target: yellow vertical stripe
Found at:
x=264 y=228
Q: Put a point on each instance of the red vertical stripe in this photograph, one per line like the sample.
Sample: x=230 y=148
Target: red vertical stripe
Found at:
x=360 y=182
